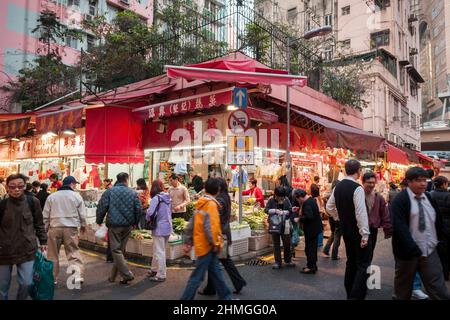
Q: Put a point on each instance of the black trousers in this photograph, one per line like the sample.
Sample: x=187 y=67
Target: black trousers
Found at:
x=276 y=239
x=373 y=238
x=358 y=260
x=233 y=273
x=109 y=256
x=311 y=251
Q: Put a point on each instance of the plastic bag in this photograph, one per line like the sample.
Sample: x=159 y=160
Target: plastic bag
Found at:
x=43 y=286
x=101 y=233
x=295 y=238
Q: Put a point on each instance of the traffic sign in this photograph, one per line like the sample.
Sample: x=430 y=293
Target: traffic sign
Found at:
x=240 y=150
x=239 y=121
x=240 y=97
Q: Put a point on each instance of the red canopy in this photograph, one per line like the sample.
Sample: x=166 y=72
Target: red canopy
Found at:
x=238 y=69
x=396 y=155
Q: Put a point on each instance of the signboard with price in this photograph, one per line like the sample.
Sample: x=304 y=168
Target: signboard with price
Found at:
x=240 y=150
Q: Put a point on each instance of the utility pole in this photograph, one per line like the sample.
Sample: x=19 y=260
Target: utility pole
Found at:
x=288 y=127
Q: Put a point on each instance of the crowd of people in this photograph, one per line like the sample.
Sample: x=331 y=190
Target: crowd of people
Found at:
x=417 y=218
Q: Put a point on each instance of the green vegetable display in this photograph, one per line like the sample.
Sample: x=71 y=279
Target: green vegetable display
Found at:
x=179 y=224
x=140 y=234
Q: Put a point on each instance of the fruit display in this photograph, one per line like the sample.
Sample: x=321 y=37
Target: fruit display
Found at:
x=179 y=224
x=141 y=234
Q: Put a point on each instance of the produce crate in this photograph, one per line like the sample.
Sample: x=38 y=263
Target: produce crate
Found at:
x=240 y=234
x=174 y=251
x=238 y=247
x=134 y=246
x=259 y=242
x=147 y=247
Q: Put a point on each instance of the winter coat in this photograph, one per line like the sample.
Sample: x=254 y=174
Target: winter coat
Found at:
x=207 y=232
x=311 y=219
x=19 y=228
x=42 y=196
x=64 y=208
x=442 y=198
x=161 y=206
x=122 y=205
x=225 y=215
x=285 y=206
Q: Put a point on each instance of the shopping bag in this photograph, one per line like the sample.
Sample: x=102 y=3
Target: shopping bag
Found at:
x=101 y=233
x=295 y=238
x=276 y=223
x=43 y=286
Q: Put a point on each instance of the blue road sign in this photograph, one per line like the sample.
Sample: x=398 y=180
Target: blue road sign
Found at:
x=240 y=97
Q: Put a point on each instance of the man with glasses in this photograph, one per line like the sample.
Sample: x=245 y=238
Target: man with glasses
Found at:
x=21 y=222
x=417 y=237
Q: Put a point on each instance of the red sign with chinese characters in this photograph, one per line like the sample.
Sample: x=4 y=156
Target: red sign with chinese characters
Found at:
x=190 y=105
x=14 y=128
x=22 y=149
x=72 y=145
x=58 y=121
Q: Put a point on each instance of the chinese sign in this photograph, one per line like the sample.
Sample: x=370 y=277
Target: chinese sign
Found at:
x=22 y=149
x=4 y=152
x=58 y=121
x=14 y=128
x=72 y=145
x=240 y=150
x=190 y=105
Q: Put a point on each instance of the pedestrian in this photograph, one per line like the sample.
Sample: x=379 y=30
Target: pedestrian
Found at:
x=2 y=188
x=56 y=184
x=36 y=187
x=280 y=205
x=315 y=194
x=255 y=192
x=107 y=184
x=21 y=222
x=418 y=234
x=144 y=196
x=442 y=198
x=180 y=197
x=312 y=227
x=64 y=213
x=377 y=210
x=224 y=200
x=393 y=191
x=336 y=232
x=29 y=189
x=43 y=194
x=197 y=183
x=206 y=236
x=124 y=209
x=160 y=209
x=430 y=185
x=347 y=203
x=284 y=183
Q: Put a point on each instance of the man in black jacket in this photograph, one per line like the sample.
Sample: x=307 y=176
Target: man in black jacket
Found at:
x=417 y=237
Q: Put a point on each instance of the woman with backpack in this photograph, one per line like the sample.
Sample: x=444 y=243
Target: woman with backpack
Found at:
x=161 y=213
x=281 y=219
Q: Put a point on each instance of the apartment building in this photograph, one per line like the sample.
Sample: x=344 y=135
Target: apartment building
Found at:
x=20 y=45
x=382 y=32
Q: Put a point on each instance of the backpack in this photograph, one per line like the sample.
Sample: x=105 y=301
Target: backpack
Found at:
x=3 y=206
x=152 y=223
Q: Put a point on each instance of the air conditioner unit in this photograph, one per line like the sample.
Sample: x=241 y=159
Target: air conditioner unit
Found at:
x=412 y=18
x=413 y=51
x=395 y=118
x=88 y=17
x=125 y=1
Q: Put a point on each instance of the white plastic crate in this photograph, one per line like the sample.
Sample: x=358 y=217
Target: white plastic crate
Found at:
x=147 y=247
x=238 y=247
x=259 y=242
x=240 y=234
x=134 y=246
x=174 y=251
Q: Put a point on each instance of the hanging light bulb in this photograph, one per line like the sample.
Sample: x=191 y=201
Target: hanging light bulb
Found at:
x=69 y=131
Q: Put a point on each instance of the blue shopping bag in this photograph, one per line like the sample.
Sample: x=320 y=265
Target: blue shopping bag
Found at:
x=43 y=286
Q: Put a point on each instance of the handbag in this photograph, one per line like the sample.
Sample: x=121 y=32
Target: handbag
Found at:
x=152 y=222
x=43 y=286
x=295 y=238
x=276 y=223
x=224 y=251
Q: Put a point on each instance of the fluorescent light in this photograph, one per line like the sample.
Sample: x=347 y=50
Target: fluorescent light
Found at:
x=69 y=131
x=15 y=139
x=50 y=134
x=231 y=107
x=156 y=150
x=298 y=154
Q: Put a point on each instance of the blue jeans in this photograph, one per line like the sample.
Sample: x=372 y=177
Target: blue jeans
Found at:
x=417 y=284
x=24 y=279
x=320 y=240
x=209 y=263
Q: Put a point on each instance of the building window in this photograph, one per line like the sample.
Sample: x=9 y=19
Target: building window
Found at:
x=383 y=4
x=413 y=88
x=328 y=53
x=92 y=8
x=345 y=10
x=389 y=62
x=405 y=116
x=328 y=20
x=402 y=76
x=399 y=6
x=413 y=120
x=72 y=42
x=379 y=39
x=346 y=44
x=292 y=16
x=90 y=42
x=73 y=3
x=396 y=110
x=399 y=40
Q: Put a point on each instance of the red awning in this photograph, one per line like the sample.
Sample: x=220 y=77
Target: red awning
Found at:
x=396 y=155
x=424 y=157
x=14 y=128
x=59 y=120
x=113 y=135
x=338 y=135
x=242 y=70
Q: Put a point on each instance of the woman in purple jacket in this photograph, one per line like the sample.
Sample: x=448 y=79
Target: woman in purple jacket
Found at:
x=160 y=205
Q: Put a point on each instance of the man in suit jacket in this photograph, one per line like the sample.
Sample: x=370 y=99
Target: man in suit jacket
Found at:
x=417 y=237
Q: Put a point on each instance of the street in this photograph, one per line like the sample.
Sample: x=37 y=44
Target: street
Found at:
x=263 y=282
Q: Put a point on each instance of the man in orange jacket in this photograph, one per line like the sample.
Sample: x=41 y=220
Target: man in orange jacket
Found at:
x=205 y=234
